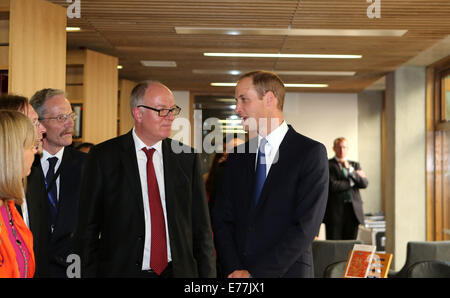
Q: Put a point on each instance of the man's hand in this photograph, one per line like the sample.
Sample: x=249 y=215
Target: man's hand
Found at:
x=361 y=173
x=239 y=274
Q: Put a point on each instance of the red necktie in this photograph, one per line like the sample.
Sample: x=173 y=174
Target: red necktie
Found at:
x=158 y=250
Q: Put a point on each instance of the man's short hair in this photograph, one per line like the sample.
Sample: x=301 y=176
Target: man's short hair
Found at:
x=138 y=92
x=338 y=140
x=265 y=81
x=40 y=97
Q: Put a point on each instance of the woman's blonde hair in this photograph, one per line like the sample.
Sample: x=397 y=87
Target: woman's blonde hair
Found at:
x=17 y=132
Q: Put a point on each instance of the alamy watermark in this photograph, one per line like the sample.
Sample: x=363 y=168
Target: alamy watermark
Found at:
x=74 y=9
x=374 y=9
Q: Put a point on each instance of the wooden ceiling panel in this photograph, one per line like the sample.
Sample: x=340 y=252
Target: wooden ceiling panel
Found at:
x=138 y=30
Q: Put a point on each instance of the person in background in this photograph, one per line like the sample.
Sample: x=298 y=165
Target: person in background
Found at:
x=17 y=149
x=143 y=207
x=273 y=196
x=34 y=206
x=61 y=167
x=344 y=211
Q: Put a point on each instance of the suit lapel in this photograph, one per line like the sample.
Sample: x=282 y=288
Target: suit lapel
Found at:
x=172 y=172
x=131 y=170
x=276 y=169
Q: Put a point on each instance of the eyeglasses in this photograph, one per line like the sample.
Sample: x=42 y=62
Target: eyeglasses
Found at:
x=63 y=117
x=163 y=112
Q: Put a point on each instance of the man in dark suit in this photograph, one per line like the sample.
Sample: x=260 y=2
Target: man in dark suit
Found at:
x=344 y=210
x=273 y=195
x=34 y=206
x=61 y=169
x=143 y=207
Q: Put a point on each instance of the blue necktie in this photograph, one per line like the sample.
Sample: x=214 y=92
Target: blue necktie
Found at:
x=260 y=175
x=52 y=192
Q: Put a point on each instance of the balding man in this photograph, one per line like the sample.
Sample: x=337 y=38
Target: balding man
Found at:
x=143 y=207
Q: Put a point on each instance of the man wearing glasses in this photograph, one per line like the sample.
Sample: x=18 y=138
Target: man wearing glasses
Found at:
x=143 y=208
x=61 y=168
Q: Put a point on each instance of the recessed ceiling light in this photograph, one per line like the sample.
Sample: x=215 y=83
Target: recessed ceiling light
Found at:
x=290 y=32
x=218 y=84
x=157 y=63
x=279 y=72
x=73 y=29
x=315 y=73
x=269 y=55
x=306 y=85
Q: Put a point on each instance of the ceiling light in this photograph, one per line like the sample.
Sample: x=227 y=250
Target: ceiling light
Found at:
x=234 y=131
x=306 y=85
x=268 y=55
x=232 y=127
x=157 y=63
x=217 y=71
x=223 y=84
x=119 y=66
x=315 y=73
x=279 y=72
x=231 y=120
x=290 y=32
x=286 y=85
x=73 y=29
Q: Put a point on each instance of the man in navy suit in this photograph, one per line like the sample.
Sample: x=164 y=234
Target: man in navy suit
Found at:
x=264 y=221
x=66 y=164
x=344 y=211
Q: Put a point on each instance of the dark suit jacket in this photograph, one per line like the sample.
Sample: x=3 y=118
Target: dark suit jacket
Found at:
x=339 y=185
x=274 y=238
x=111 y=206
x=61 y=241
x=36 y=198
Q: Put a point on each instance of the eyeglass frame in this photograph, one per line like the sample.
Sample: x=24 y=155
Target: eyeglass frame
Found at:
x=172 y=110
x=62 y=118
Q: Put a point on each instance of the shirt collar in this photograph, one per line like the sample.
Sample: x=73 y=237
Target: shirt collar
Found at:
x=46 y=155
x=139 y=144
x=275 y=138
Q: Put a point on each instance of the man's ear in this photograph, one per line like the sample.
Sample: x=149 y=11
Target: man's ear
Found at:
x=270 y=99
x=137 y=114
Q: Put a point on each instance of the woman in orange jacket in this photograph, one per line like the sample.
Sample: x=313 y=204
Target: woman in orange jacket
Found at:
x=17 y=148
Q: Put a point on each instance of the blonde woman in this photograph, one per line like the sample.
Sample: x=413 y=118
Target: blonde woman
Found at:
x=17 y=149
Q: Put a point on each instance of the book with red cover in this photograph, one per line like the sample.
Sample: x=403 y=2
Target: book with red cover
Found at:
x=359 y=261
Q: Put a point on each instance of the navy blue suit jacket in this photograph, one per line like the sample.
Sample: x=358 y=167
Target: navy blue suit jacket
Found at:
x=274 y=238
x=61 y=241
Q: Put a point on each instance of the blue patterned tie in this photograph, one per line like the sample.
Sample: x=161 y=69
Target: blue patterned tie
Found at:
x=52 y=192
x=260 y=175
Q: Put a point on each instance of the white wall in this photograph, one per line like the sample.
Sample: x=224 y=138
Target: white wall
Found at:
x=369 y=147
x=324 y=117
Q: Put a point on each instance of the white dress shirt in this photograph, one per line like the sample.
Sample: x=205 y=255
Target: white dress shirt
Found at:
x=159 y=171
x=274 y=140
x=24 y=208
x=45 y=165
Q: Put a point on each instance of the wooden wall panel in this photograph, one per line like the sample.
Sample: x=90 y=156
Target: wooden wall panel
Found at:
x=100 y=97
x=126 y=120
x=37 y=49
